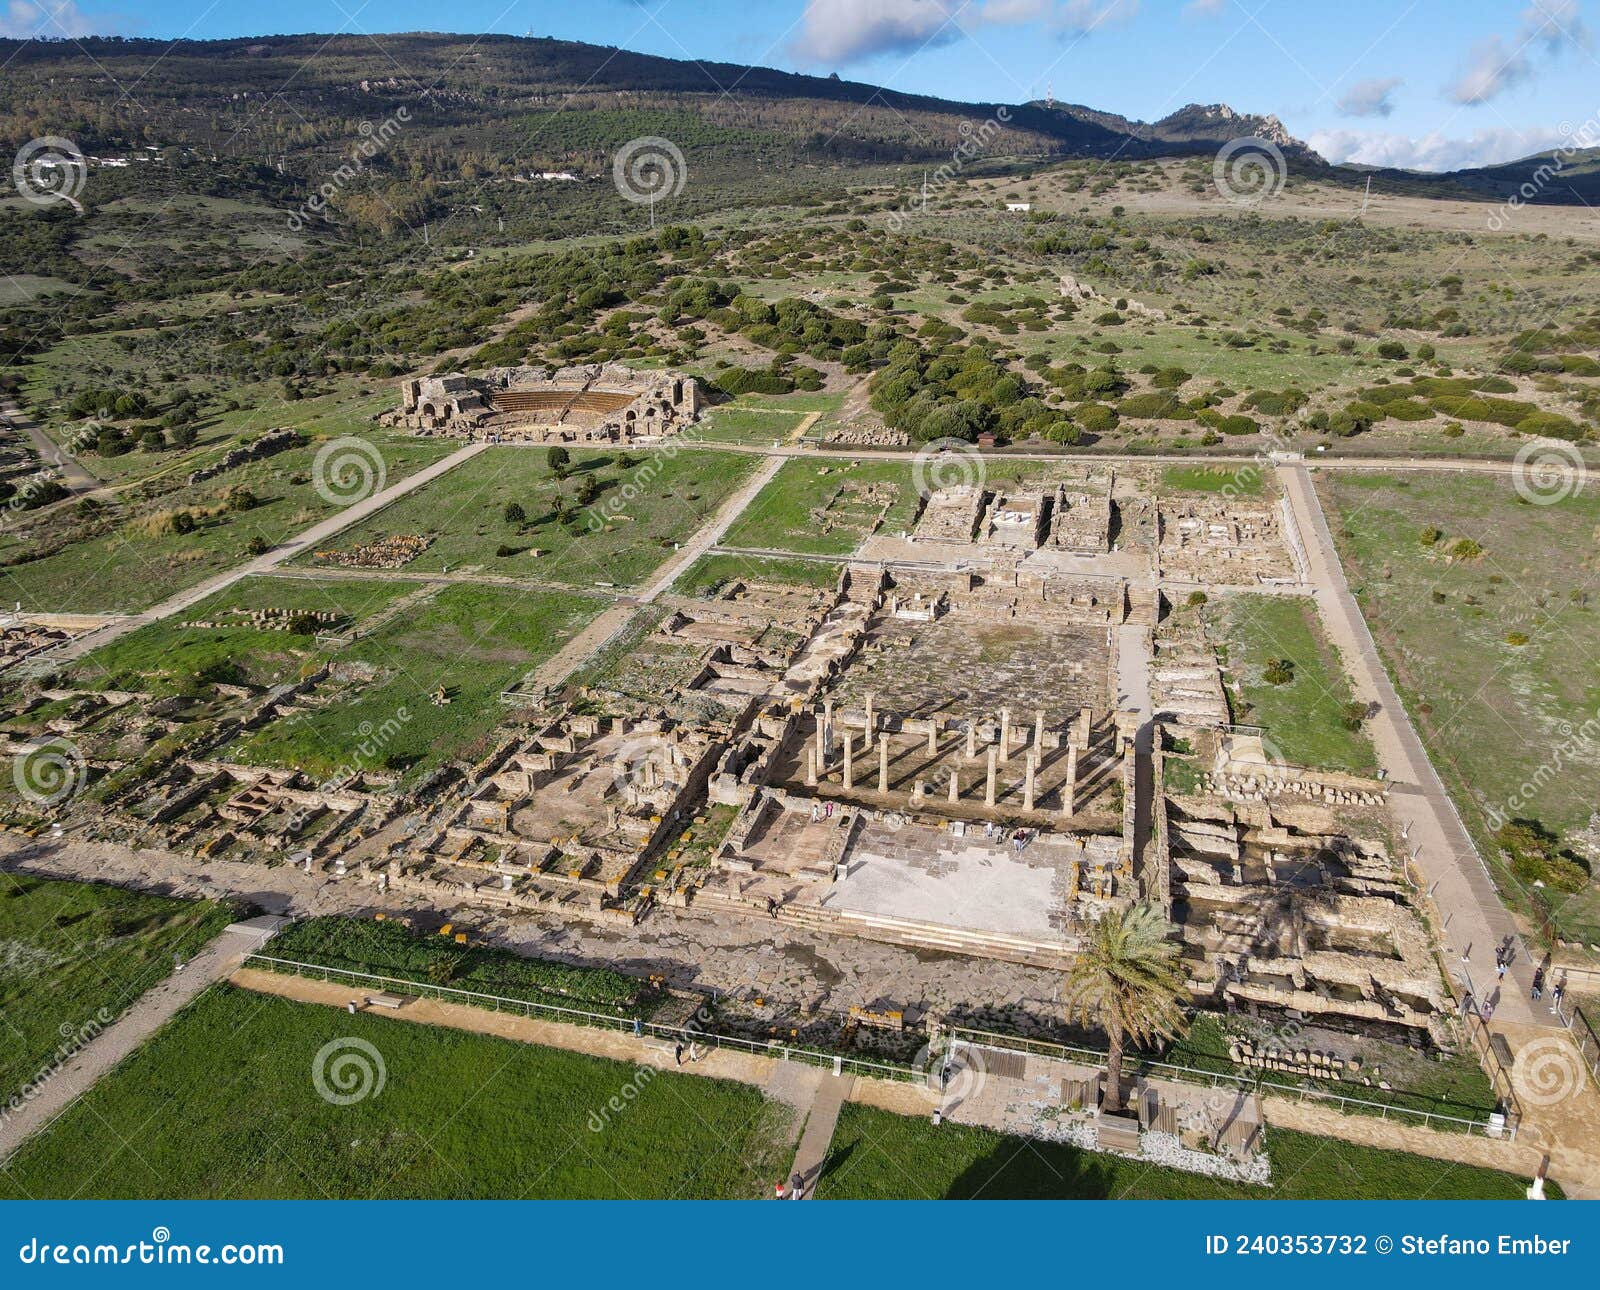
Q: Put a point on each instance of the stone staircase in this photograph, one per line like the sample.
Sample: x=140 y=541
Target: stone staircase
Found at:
x=1144 y=605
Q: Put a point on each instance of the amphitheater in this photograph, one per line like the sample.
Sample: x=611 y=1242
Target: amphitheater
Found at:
x=596 y=403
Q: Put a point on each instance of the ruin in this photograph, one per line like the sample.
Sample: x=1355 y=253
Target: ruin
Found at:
x=939 y=749
x=596 y=403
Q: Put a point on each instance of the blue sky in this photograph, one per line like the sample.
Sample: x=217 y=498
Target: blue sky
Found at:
x=1434 y=84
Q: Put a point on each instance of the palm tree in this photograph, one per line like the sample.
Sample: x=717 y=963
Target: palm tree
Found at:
x=1127 y=980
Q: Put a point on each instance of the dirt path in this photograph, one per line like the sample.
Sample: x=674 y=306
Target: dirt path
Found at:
x=1474 y=919
x=153 y=1009
x=281 y=554
x=712 y=531
x=74 y=474
x=823 y=1094
x=617 y=1045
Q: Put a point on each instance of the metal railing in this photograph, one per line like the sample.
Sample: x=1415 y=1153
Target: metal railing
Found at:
x=690 y=1034
x=1583 y=1034
x=1244 y=1083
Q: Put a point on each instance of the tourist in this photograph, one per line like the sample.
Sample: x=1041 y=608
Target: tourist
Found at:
x=1538 y=983
x=677 y=1053
x=1500 y=969
x=797 y=1188
x=1556 y=991
x=772 y=907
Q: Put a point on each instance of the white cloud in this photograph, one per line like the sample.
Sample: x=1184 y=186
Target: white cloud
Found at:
x=1496 y=65
x=841 y=31
x=1205 y=8
x=845 y=31
x=1490 y=70
x=1370 y=98
x=1432 y=151
x=28 y=19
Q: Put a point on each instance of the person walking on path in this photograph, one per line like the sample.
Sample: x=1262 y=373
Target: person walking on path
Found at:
x=677 y=1053
x=1538 y=983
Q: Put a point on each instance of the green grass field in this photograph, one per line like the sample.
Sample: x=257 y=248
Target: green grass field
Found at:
x=877 y=1155
x=1304 y=717
x=74 y=956
x=120 y=566
x=781 y=517
x=222 y=1104
x=642 y=510
x=1491 y=651
x=712 y=571
x=733 y=423
x=1245 y=480
x=475 y=640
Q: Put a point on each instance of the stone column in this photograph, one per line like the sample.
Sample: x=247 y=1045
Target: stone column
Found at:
x=1085 y=720
x=849 y=761
x=988 y=791
x=1005 y=734
x=1069 y=786
x=872 y=727
x=811 y=767
x=955 y=784
x=820 y=752
x=933 y=737
x=972 y=739
x=883 y=764
x=1027 y=784
x=919 y=790
x=1038 y=729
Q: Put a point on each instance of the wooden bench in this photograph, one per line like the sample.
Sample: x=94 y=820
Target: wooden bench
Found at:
x=893 y=1020
x=388 y=999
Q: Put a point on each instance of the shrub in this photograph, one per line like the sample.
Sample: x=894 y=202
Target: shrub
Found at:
x=1156 y=405
x=1095 y=418
x=515 y=514
x=1466 y=549
x=1279 y=671
x=1550 y=426
x=1430 y=536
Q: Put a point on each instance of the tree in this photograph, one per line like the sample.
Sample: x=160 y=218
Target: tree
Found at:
x=1127 y=981
x=514 y=513
x=558 y=459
